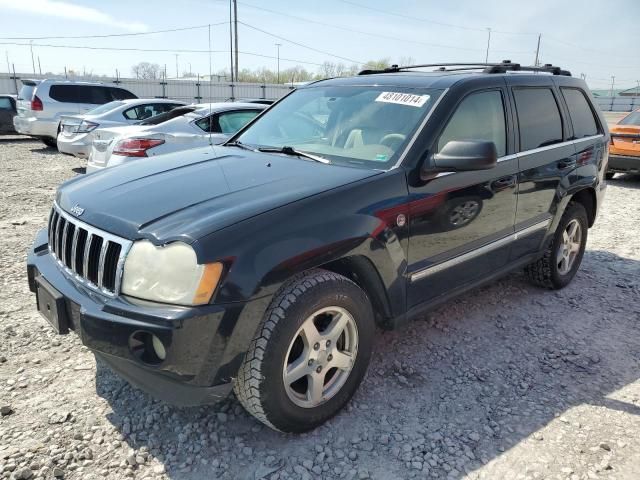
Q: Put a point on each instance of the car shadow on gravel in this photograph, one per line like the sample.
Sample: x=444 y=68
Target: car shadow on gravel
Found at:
x=44 y=150
x=490 y=372
x=626 y=180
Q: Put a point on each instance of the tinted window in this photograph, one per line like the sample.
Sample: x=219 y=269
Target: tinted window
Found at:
x=164 y=117
x=582 y=119
x=93 y=94
x=5 y=104
x=631 y=119
x=538 y=116
x=480 y=116
x=120 y=93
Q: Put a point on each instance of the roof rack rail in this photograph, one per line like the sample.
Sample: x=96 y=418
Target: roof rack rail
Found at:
x=503 y=67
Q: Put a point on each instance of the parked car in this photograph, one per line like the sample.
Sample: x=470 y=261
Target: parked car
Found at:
x=624 y=151
x=264 y=264
x=76 y=131
x=188 y=127
x=41 y=104
x=7 y=112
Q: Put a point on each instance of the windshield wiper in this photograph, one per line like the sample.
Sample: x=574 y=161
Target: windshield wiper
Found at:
x=240 y=145
x=292 y=151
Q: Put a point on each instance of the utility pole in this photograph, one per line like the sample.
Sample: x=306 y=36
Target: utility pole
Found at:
x=33 y=63
x=278 y=45
x=637 y=88
x=486 y=58
x=538 y=51
x=235 y=22
x=231 y=36
x=177 y=74
x=6 y=53
x=39 y=66
x=613 y=82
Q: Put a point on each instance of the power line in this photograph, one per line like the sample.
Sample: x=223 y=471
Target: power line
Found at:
x=434 y=22
x=362 y=32
x=124 y=49
x=300 y=44
x=180 y=29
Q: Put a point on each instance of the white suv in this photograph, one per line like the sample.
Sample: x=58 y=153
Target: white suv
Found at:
x=41 y=103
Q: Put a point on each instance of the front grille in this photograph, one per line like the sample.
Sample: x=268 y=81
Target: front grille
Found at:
x=91 y=256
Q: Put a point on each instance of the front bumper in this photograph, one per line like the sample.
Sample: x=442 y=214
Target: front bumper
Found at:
x=624 y=163
x=204 y=347
x=77 y=145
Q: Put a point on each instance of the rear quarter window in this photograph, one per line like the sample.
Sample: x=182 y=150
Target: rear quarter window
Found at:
x=538 y=117
x=582 y=118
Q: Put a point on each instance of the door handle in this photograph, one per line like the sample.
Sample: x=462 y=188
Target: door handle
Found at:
x=564 y=164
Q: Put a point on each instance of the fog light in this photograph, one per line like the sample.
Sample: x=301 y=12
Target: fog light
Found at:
x=147 y=347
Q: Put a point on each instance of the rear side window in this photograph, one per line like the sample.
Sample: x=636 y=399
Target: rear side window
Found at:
x=234 y=121
x=120 y=93
x=538 y=117
x=142 y=112
x=5 y=103
x=582 y=119
x=92 y=94
x=480 y=116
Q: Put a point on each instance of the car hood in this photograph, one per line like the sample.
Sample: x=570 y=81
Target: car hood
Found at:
x=189 y=194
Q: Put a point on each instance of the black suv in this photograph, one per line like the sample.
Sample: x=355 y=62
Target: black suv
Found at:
x=264 y=265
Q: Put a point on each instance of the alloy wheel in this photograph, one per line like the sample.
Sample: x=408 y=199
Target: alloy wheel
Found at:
x=569 y=248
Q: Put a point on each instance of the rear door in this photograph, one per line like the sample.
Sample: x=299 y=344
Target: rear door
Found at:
x=546 y=158
x=461 y=223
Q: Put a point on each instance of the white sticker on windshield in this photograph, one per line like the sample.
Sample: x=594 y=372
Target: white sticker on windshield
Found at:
x=403 y=98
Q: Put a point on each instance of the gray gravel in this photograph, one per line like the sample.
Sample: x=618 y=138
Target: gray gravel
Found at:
x=508 y=381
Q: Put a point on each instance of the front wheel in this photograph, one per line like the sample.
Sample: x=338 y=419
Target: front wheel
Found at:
x=563 y=256
x=310 y=353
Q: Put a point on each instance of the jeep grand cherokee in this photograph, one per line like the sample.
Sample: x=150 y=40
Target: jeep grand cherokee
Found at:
x=264 y=265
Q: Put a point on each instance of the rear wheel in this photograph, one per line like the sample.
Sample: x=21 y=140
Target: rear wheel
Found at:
x=310 y=353
x=50 y=142
x=563 y=256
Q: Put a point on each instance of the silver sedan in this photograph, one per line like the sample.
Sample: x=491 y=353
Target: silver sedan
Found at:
x=76 y=131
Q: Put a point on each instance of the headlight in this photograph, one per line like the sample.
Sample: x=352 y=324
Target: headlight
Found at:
x=168 y=274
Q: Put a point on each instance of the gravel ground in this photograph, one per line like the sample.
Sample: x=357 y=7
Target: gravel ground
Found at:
x=508 y=381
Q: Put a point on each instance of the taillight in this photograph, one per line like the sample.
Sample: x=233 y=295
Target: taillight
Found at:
x=36 y=104
x=136 y=147
x=86 y=126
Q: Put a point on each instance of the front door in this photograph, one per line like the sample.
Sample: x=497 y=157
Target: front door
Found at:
x=461 y=224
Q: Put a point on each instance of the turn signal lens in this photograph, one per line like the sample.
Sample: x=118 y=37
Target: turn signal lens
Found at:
x=208 y=283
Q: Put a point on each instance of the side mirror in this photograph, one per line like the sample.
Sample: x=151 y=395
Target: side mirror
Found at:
x=465 y=155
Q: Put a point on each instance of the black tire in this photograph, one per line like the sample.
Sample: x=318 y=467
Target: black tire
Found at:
x=609 y=175
x=545 y=271
x=260 y=387
x=50 y=142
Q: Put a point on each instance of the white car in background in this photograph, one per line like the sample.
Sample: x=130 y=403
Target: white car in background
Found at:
x=41 y=103
x=76 y=131
x=183 y=128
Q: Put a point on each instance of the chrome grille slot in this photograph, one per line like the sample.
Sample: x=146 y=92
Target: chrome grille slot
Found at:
x=93 y=257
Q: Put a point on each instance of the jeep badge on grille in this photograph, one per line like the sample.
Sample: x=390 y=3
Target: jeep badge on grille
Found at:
x=77 y=210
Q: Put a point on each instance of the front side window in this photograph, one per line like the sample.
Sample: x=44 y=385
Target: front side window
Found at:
x=480 y=116
x=538 y=117
x=367 y=126
x=582 y=119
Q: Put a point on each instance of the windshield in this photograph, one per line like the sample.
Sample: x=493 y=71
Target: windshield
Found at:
x=367 y=126
x=105 y=108
x=631 y=119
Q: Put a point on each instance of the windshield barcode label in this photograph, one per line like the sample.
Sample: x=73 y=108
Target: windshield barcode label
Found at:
x=403 y=99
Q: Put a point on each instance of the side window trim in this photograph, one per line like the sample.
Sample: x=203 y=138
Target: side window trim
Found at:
x=565 y=133
x=507 y=119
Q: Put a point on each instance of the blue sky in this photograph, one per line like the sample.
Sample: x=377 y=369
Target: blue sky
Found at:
x=594 y=37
